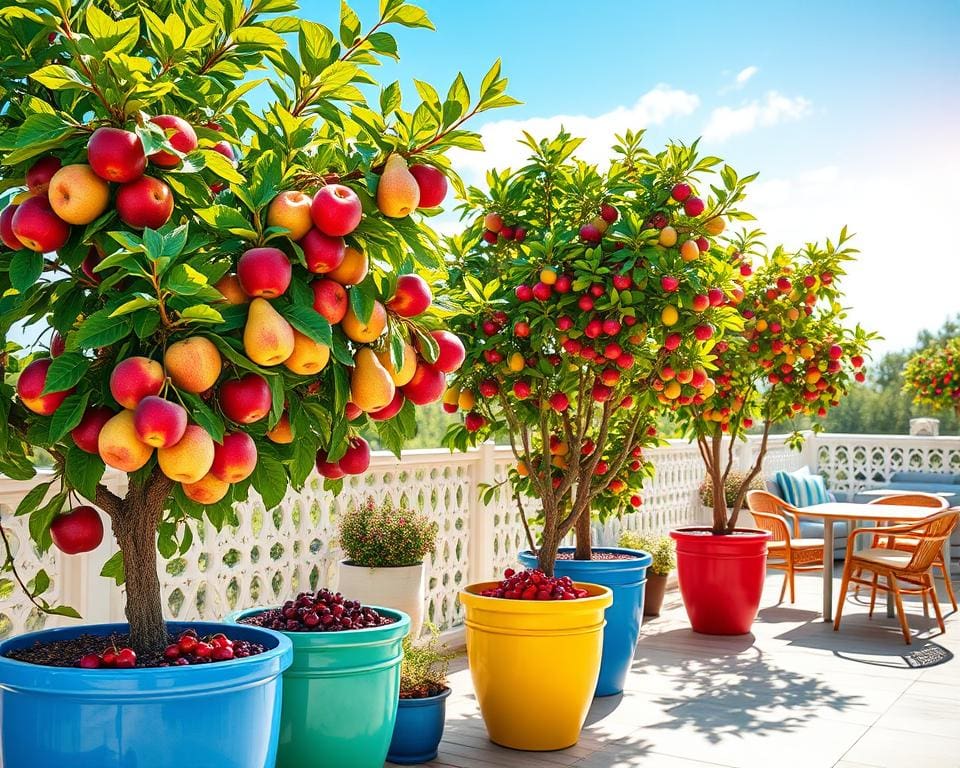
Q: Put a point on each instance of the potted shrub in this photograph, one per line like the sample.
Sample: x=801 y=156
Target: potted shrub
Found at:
x=932 y=375
x=385 y=546
x=184 y=311
x=577 y=287
x=796 y=356
x=664 y=561
x=423 y=700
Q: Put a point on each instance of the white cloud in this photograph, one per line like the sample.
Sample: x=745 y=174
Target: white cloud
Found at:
x=502 y=149
x=725 y=122
x=744 y=75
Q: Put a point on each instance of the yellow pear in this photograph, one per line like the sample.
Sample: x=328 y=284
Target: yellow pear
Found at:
x=398 y=193
x=308 y=356
x=371 y=387
x=407 y=369
x=267 y=338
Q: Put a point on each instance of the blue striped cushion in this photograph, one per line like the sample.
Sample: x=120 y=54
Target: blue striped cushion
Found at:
x=801 y=489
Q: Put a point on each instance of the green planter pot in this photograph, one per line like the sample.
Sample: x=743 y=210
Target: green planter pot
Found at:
x=340 y=695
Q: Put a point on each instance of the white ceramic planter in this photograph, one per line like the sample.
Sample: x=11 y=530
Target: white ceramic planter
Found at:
x=402 y=588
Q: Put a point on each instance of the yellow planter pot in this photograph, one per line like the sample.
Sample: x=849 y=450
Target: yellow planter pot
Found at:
x=535 y=664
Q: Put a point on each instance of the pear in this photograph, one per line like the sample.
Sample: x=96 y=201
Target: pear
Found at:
x=371 y=387
x=267 y=338
x=407 y=369
x=398 y=193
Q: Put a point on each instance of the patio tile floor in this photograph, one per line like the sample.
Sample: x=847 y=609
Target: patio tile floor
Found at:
x=795 y=693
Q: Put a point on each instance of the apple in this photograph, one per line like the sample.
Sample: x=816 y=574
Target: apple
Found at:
x=57 y=345
x=523 y=293
x=700 y=302
x=86 y=434
x=135 y=378
x=393 y=408
x=426 y=386
x=506 y=233
x=35 y=224
x=264 y=272
x=693 y=206
x=609 y=213
x=291 y=210
x=589 y=233
x=432 y=183
x=39 y=174
x=245 y=400
x=235 y=458
x=77 y=195
x=183 y=139
x=330 y=299
x=328 y=469
x=451 y=352
x=490 y=237
x=559 y=402
x=224 y=148
x=89 y=264
x=669 y=283
x=7 y=237
x=542 y=291
x=116 y=155
x=159 y=423
x=30 y=386
x=323 y=253
x=412 y=296
x=474 y=421
x=76 y=531
x=336 y=210
x=356 y=458
x=230 y=289
x=680 y=192
x=493 y=222
x=146 y=202
x=703 y=332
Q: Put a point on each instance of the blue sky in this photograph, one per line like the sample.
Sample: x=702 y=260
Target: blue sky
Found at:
x=850 y=111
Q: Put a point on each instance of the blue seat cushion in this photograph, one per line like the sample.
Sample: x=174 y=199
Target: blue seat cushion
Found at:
x=801 y=489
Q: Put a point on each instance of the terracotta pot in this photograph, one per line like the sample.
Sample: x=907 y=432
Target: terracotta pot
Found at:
x=656 y=587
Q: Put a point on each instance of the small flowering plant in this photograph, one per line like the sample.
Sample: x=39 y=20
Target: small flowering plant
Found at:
x=383 y=535
x=423 y=672
x=933 y=376
x=661 y=548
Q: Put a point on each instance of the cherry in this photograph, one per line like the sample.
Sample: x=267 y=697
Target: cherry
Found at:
x=222 y=653
x=109 y=657
x=172 y=651
x=204 y=650
x=90 y=661
x=187 y=643
x=126 y=658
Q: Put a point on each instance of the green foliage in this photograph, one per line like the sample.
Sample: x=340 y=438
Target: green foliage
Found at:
x=933 y=376
x=113 y=291
x=662 y=548
x=386 y=536
x=424 y=666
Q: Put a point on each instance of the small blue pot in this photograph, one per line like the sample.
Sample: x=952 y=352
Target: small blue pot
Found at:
x=225 y=714
x=419 y=728
x=627 y=579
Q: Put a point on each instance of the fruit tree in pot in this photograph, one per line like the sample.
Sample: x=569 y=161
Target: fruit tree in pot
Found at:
x=196 y=317
x=796 y=356
x=932 y=376
x=579 y=287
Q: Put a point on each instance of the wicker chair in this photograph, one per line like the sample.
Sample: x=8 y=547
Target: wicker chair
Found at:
x=786 y=551
x=891 y=542
x=899 y=565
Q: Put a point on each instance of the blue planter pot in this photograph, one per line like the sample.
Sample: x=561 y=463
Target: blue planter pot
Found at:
x=225 y=714
x=419 y=728
x=627 y=579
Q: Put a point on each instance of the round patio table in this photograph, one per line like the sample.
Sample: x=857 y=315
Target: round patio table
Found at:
x=891 y=492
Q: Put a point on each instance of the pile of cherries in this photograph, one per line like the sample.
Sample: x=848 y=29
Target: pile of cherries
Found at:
x=322 y=611
x=534 y=585
x=191 y=649
x=111 y=657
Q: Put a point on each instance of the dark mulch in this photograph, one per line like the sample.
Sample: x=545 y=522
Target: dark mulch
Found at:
x=423 y=691
x=66 y=653
x=600 y=556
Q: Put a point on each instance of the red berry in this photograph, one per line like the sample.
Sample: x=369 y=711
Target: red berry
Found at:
x=693 y=206
x=609 y=213
x=563 y=284
x=126 y=658
x=680 y=192
x=90 y=661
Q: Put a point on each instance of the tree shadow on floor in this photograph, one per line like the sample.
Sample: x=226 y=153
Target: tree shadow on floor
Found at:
x=726 y=690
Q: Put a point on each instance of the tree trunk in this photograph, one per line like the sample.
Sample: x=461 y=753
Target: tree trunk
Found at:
x=135 y=529
x=549 y=543
x=719 y=502
x=583 y=535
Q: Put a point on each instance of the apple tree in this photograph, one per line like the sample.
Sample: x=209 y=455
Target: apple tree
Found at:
x=796 y=356
x=211 y=296
x=932 y=375
x=581 y=291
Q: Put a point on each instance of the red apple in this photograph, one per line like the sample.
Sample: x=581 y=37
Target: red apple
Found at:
x=356 y=458
x=609 y=213
x=474 y=421
x=79 y=530
x=393 y=408
x=30 y=388
x=57 y=345
x=328 y=469
x=235 y=458
x=245 y=400
x=336 y=210
x=86 y=434
x=323 y=253
x=590 y=233
x=669 y=283
x=116 y=155
x=680 y=192
x=559 y=402
x=427 y=385
x=451 y=353
x=158 y=422
x=432 y=183
x=6 y=229
x=135 y=378
x=412 y=296
x=330 y=299
x=264 y=272
x=88 y=265
x=146 y=202
x=39 y=174
x=183 y=139
x=693 y=206
x=35 y=224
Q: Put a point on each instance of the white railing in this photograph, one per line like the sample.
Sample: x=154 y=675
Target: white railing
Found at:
x=270 y=556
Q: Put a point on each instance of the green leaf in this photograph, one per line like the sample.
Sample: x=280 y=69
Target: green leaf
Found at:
x=68 y=415
x=101 y=330
x=201 y=313
x=57 y=77
x=6 y=589
x=25 y=267
x=310 y=323
x=32 y=499
x=410 y=16
x=269 y=479
x=140 y=302
x=184 y=280
x=316 y=47
x=205 y=416
x=222 y=217
x=278 y=396
x=113 y=569
x=63 y=610
x=362 y=303
x=41 y=518
x=83 y=471
x=349 y=25
x=221 y=166
x=65 y=372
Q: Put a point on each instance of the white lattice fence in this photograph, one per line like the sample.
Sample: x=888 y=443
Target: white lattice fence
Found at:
x=854 y=462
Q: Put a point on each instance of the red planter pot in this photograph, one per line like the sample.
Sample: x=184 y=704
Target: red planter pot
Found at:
x=721 y=578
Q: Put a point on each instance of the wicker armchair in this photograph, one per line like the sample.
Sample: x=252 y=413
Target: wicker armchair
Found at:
x=786 y=551
x=912 y=567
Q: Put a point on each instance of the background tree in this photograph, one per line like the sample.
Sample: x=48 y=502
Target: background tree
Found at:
x=192 y=346
x=932 y=375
